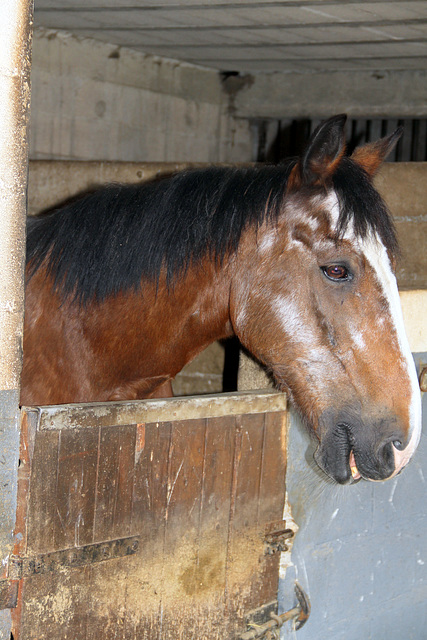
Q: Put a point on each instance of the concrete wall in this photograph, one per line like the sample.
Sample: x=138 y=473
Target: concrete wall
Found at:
x=362 y=93
x=95 y=101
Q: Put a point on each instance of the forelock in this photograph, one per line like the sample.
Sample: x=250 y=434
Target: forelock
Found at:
x=362 y=206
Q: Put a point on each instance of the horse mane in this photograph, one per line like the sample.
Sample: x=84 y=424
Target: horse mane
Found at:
x=109 y=239
x=361 y=204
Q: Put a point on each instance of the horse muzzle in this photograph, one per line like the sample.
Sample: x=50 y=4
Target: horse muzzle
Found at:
x=348 y=453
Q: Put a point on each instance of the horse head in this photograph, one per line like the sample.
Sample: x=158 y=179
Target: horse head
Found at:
x=316 y=301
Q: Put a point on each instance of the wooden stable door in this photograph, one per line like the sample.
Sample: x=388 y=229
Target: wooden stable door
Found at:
x=149 y=520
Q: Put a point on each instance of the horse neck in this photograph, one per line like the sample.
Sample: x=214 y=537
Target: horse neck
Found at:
x=198 y=302
x=173 y=322
x=148 y=334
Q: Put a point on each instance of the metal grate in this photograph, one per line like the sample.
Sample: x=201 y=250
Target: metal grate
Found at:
x=291 y=135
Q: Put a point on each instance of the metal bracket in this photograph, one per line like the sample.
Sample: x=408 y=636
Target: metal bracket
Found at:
x=276 y=536
x=271 y=630
x=25 y=566
x=8 y=594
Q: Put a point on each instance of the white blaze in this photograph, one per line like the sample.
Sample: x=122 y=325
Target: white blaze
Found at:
x=377 y=257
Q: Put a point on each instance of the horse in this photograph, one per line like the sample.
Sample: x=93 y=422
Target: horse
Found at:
x=130 y=282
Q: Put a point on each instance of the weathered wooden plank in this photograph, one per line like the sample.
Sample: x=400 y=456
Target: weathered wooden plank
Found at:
x=260 y=467
x=143 y=578
x=57 y=606
x=245 y=546
x=114 y=489
x=181 y=580
x=105 y=615
x=76 y=485
x=150 y=480
x=185 y=478
x=42 y=505
x=216 y=493
x=272 y=497
x=273 y=471
x=99 y=414
x=214 y=530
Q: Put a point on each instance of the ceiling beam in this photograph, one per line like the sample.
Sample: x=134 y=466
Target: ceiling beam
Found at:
x=384 y=94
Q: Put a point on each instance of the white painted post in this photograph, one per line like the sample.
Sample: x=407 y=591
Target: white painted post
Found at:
x=15 y=63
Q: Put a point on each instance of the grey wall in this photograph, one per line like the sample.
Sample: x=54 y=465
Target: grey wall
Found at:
x=361 y=551
x=362 y=93
x=94 y=101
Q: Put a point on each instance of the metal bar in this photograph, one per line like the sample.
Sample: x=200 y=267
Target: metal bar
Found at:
x=275 y=623
x=26 y=566
x=98 y=414
x=15 y=56
x=271 y=629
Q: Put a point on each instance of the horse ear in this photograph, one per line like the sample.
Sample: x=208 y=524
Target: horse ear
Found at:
x=322 y=154
x=371 y=155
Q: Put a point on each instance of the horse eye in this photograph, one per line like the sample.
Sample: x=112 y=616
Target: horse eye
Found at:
x=336 y=272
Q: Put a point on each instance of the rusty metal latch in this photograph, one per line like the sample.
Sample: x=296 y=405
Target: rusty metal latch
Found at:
x=271 y=630
x=25 y=566
x=276 y=536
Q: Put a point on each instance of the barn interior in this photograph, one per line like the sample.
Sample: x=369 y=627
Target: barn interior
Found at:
x=125 y=91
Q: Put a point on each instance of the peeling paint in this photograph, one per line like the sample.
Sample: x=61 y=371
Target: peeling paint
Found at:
x=286 y=556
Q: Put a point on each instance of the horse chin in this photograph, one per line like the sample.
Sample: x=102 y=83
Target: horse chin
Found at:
x=336 y=464
x=346 y=459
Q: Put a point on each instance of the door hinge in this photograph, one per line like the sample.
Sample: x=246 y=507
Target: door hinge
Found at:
x=270 y=630
x=8 y=594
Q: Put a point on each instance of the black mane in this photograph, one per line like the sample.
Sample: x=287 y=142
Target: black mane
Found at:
x=107 y=240
x=361 y=204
